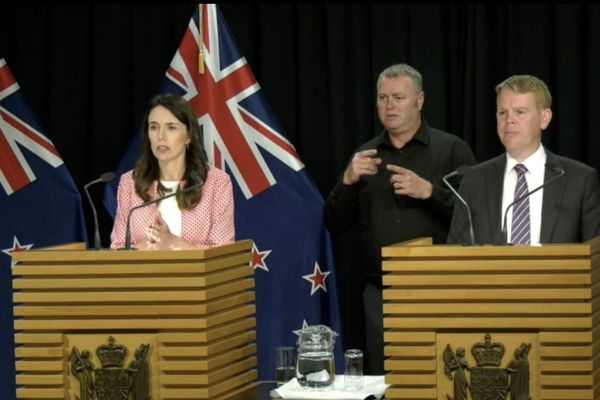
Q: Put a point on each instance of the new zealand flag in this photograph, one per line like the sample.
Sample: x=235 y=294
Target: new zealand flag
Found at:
x=40 y=204
x=276 y=203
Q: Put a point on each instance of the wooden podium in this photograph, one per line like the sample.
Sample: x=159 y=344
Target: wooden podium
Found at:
x=194 y=308
x=453 y=296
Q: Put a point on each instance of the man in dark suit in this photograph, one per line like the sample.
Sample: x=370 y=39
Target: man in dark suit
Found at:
x=565 y=210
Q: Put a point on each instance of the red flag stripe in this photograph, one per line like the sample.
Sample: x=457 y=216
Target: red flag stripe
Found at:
x=213 y=101
x=6 y=78
x=272 y=137
x=30 y=134
x=11 y=168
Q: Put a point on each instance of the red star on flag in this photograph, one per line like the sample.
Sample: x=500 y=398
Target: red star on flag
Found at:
x=317 y=279
x=16 y=247
x=258 y=258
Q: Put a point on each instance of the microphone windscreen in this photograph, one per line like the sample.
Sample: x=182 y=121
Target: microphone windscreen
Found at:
x=107 y=176
x=555 y=168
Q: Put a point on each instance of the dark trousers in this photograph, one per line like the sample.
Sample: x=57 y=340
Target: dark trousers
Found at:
x=373 y=307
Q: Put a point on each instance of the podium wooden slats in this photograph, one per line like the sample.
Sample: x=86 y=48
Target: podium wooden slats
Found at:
x=35 y=393
x=489 y=323
x=487 y=309
x=195 y=308
x=207 y=335
x=160 y=282
x=137 y=296
x=38 y=338
x=207 y=349
x=39 y=365
x=212 y=376
x=40 y=380
x=487 y=294
x=116 y=268
x=569 y=394
x=546 y=295
x=208 y=363
x=412 y=380
x=39 y=352
x=415 y=393
x=210 y=392
x=154 y=310
x=492 y=265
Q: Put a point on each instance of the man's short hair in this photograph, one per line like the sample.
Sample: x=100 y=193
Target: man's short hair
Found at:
x=398 y=70
x=526 y=84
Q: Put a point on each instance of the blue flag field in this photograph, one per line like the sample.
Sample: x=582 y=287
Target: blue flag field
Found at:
x=40 y=204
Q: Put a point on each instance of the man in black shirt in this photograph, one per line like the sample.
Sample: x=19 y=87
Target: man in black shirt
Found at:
x=392 y=188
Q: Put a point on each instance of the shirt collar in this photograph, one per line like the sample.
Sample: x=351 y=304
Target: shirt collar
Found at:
x=422 y=135
x=535 y=163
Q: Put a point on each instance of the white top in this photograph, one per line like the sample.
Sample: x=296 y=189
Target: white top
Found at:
x=536 y=167
x=170 y=210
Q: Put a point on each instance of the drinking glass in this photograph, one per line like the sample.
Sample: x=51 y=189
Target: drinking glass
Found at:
x=285 y=364
x=353 y=369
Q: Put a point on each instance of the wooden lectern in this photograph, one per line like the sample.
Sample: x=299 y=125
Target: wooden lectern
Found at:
x=192 y=312
x=492 y=301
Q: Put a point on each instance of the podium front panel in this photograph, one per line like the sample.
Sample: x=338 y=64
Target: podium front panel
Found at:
x=169 y=324
x=506 y=308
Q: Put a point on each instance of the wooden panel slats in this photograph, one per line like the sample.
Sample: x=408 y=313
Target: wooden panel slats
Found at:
x=487 y=309
x=133 y=296
x=135 y=323
x=489 y=323
x=486 y=294
x=487 y=266
x=154 y=310
x=189 y=268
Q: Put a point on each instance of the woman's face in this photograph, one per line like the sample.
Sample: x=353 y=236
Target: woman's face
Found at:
x=168 y=136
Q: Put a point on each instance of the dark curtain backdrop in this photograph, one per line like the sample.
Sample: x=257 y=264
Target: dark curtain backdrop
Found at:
x=87 y=71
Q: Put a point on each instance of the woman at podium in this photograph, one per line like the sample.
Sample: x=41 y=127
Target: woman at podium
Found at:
x=173 y=199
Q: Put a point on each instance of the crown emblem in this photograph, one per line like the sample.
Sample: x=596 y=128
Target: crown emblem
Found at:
x=488 y=354
x=111 y=355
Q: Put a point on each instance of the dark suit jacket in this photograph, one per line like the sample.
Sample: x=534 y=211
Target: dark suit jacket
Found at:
x=570 y=205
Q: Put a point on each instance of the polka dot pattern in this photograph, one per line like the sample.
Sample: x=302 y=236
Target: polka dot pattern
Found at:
x=210 y=223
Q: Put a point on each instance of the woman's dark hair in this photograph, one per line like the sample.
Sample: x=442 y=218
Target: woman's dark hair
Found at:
x=146 y=169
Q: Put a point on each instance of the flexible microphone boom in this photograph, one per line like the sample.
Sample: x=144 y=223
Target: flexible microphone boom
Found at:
x=551 y=166
x=460 y=171
x=105 y=177
x=127 y=245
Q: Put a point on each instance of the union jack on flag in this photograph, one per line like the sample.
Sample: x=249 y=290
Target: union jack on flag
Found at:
x=39 y=201
x=276 y=203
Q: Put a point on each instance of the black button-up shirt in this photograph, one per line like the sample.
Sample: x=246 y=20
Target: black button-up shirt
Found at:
x=385 y=218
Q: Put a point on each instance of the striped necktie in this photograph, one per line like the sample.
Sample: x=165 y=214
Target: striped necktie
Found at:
x=520 y=233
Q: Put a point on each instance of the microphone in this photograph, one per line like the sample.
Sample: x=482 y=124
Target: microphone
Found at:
x=193 y=175
x=460 y=171
x=552 y=167
x=107 y=176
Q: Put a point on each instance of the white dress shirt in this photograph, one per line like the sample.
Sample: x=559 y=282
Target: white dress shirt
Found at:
x=170 y=210
x=536 y=167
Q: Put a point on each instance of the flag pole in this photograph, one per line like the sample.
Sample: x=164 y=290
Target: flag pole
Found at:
x=200 y=44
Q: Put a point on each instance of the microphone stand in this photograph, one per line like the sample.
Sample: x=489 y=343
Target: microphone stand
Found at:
x=107 y=176
x=461 y=170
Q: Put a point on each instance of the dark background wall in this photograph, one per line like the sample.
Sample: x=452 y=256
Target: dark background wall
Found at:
x=87 y=72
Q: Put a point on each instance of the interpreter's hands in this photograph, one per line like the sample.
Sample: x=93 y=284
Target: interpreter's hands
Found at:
x=406 y=183
x=363 y=163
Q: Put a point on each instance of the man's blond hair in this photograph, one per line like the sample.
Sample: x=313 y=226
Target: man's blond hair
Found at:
x=526 y=84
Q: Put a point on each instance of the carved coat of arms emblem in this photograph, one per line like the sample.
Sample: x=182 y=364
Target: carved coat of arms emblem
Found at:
x=487 y=380
x=112 y=381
